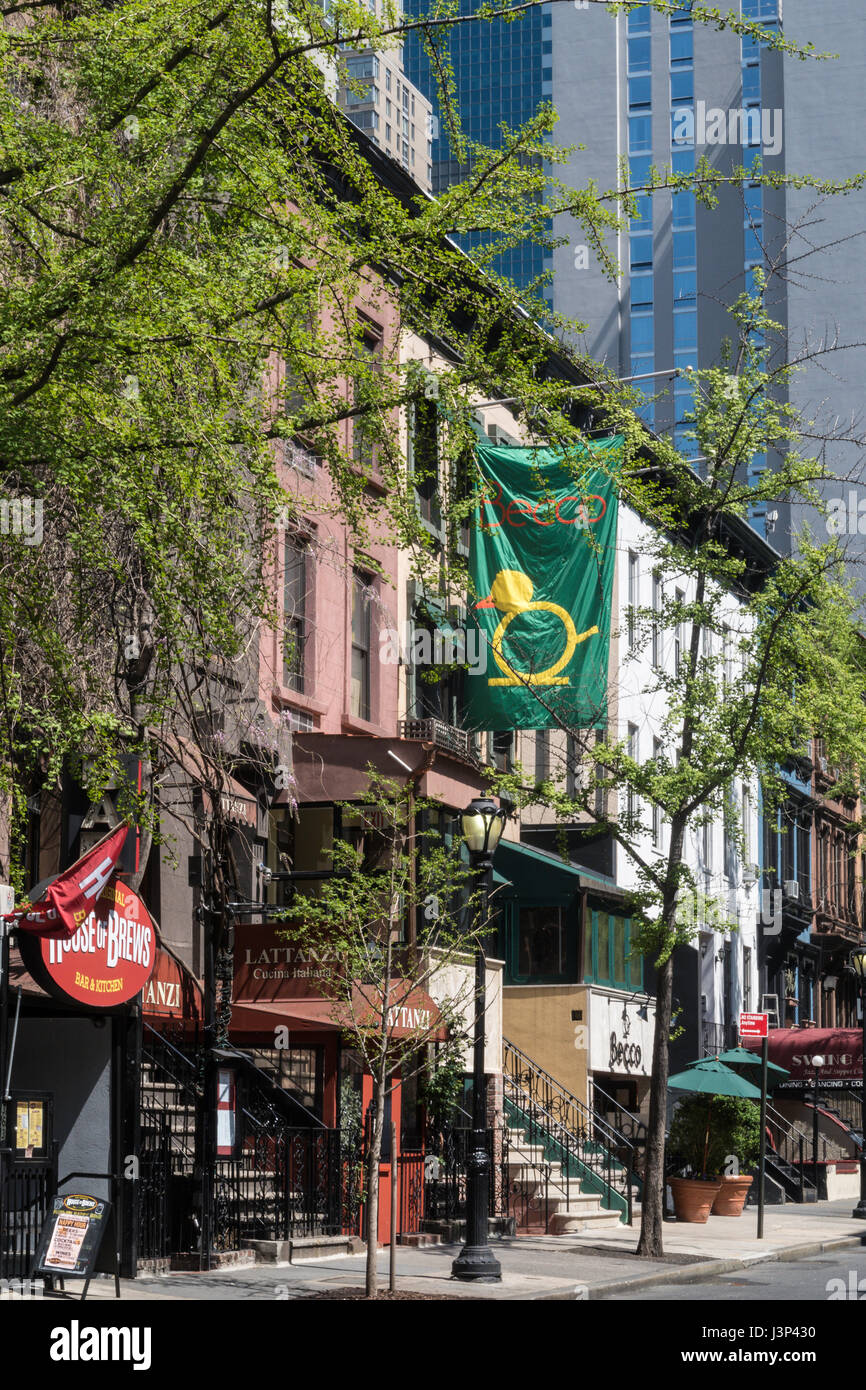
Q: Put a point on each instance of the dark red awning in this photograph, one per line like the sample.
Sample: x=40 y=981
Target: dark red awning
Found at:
x=794 y=1048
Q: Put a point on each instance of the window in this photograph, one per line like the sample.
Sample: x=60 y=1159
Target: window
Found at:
x=707 y=847
x=746 y=817
x=657 y=631
x=683 y=209
x=638 y=55
x=641 y=252
x=641 y=333
x=361 y=624
x=639 y=92
x=295 y=617
x=424 y=459
x=572 y=767
x=633 y=596
x=607 y=953
x=657 y=810
x=682 y=86
x=639 y=133
x=679 y=635
x=642 y=291
x=639 y=19
x=684 y=250
x=685 y=329
x=632 y=749
x=747 y=979
x=541 y=943
x=542 y=755
x=502 y=749
x=682 y=46
x=685 y=287
x=368 y=351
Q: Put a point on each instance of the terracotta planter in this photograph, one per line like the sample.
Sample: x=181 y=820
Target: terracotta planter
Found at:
x=731 y=1196
x=694 y=1197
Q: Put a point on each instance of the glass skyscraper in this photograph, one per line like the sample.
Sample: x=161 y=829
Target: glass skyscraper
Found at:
x=502 y=72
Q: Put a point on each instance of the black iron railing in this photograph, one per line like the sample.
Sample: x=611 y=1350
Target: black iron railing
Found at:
x=26 y=1192
x=586 y=1146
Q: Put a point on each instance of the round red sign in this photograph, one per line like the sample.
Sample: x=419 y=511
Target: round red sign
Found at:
x=108 y=960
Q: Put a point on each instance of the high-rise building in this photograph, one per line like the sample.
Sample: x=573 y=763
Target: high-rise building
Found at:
x=501 y=73
x=377 y=96
x=660 y=91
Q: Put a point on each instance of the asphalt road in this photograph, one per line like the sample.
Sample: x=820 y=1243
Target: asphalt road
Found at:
x=840 y=1276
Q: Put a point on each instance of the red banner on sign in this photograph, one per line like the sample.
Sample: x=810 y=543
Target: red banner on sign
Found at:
x=73 y=894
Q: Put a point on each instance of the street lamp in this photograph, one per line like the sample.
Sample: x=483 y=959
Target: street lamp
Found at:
x=482 y=823
x=857 y=961
x=817 y=1063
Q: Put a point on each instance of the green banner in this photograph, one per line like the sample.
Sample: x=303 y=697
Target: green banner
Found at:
x=543 y=545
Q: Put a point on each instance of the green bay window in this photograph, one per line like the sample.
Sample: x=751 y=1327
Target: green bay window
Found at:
x=608 y=957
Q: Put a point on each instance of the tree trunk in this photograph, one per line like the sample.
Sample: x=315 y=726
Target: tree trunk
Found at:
x=653 y=1202
x=373 y=1187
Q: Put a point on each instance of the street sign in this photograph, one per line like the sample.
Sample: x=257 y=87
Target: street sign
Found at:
x=753 y=1025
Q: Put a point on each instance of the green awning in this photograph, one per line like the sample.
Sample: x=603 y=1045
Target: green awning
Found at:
x=538 y=876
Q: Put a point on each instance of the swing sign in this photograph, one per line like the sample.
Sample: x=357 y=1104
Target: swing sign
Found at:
x=753 y=1025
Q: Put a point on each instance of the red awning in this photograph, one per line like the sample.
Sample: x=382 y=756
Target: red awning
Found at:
x=412 y=1011
x=305 y=1015
x=794 y=1048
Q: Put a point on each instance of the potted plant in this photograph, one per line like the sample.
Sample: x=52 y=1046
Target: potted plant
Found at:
x=688 y=1150
x=708 y=1134
x=736 y=1142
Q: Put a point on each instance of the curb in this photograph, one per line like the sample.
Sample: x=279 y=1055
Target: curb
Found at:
x=708 y=1269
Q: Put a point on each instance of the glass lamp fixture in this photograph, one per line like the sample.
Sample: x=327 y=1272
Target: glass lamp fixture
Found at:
x=482 y=823
x=857 y=961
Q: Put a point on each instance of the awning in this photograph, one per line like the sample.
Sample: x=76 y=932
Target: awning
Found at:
x=298 y=1015
x=172 y=991
x=412 y=1012
x=794 y=1048
x=537 y=875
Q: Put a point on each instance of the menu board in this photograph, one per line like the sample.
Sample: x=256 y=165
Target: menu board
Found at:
x=72 y=1234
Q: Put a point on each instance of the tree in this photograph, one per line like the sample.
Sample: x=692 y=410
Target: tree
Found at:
x=744 y=697
x=187 y=223
x=399 y=915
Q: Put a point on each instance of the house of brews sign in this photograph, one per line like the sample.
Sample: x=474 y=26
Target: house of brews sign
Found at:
x=108 y=960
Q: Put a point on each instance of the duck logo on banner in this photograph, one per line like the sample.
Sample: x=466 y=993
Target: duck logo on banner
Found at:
x=541 y=561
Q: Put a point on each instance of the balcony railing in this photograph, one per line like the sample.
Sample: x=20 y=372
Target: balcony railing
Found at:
x=441 y=735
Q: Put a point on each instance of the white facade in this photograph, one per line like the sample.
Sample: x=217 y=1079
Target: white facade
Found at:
x=727 y=879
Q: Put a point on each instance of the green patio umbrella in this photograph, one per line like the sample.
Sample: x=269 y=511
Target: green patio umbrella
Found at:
x=711 y=1077
x=742 y=1057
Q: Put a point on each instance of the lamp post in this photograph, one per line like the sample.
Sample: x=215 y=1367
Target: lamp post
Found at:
x=817 y=1063
x=857 y=961
x=482 y=823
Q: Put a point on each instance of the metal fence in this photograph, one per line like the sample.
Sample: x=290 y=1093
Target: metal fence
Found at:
x=26 y=1192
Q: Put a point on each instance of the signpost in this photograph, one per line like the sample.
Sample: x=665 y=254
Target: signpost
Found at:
x=756 y=1026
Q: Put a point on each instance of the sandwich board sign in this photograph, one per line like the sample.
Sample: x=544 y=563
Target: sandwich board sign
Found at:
x=72 y=1235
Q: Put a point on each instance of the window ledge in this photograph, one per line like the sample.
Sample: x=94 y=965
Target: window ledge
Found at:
x=351 y=724
x=282 y=697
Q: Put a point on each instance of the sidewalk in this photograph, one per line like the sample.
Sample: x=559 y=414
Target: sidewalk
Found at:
x=590 y=1266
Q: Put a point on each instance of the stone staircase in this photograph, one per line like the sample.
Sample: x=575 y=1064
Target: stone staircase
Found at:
x=544 y=1196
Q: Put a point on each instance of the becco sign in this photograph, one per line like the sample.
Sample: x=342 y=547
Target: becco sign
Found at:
x=108 y=960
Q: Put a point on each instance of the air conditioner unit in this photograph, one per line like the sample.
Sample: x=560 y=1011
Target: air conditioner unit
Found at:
x=824 y=765
x=792 y=889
